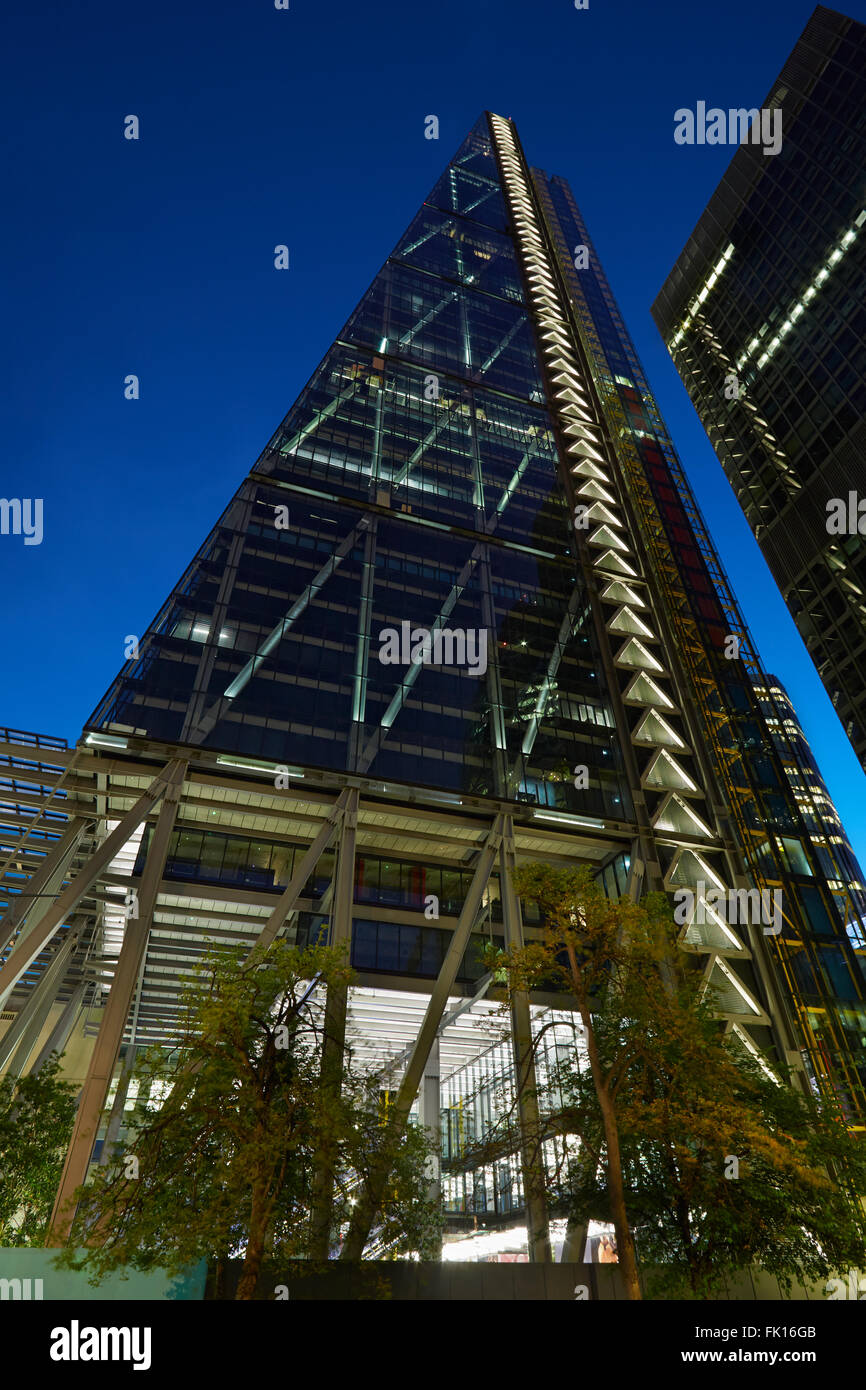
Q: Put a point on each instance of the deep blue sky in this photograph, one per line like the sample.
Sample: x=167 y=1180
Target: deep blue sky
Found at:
x=305 y=127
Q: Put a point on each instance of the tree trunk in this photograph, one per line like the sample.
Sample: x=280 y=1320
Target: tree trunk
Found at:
x=259 y=1214
x=615 y=1186
x=686 y=1233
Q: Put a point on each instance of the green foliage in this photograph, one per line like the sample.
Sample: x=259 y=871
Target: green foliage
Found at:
x=225 y=1163
x=686 y=1100
x=36 y=1118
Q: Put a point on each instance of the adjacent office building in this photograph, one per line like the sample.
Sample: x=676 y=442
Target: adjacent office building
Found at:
x=462 y=613
x=811 y=790
x=765 y=317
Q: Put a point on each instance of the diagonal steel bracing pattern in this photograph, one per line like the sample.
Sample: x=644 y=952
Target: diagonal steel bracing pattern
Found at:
x=370 y=1197
x=105 y=1053
x=246 y=798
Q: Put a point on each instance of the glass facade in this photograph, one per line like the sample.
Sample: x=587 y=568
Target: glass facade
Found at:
x=469 y=560
x=764 y=316
x=835 y=853
x=476 y=1103
x=419 y=472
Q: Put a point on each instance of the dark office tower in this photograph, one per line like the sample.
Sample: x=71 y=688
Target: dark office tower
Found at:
x=765 y=318
x=811 y=791
x=462 y=613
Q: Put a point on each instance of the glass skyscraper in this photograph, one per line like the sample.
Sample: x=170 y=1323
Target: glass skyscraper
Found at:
x=764 y=316
x=462 y=613
x=479 y=453
x=809 y=786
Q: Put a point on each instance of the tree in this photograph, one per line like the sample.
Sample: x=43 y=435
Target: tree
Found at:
x=690 y=1146
x=725 y=1168
x=594 y=949
x=222 y=1161
x=36 y=1117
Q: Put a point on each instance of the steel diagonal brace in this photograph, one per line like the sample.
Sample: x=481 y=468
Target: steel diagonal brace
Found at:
x=23 y=1033
x=220 y=706
x=31 y=904
x=287 y=903
x=110 y=1036
x=223 y=704
x=24 y=954
x=325 y=413
x=372 y=1192
x=378 y=738
x=457 y=1012
x=566 y=628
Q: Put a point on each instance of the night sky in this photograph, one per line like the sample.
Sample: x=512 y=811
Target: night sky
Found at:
x=306 y=127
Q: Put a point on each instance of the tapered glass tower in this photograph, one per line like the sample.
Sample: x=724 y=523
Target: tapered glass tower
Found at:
x=469 y=560
x=462 y=612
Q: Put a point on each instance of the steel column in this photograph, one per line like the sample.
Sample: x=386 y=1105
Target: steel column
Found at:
x=115 y=1119
x=108 y=1042
x=289 y=899
x=574 y=1245
x=59 y=1035
x=22 y=1034
x=531 y=1151
x=334 y=1038
x=430 y=1107
x=370 y=1199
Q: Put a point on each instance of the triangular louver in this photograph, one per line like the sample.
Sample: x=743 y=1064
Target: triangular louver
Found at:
x=588 y=488
x=712 y=934
x=617 y=592
x=587 y=469
x=605 y=537
x=610 y=560
x=691 y=870
x=599 y=512
x=677 y=815
x=624 y=620
x=634 y=653
x=642 y=690
x=582 y=449
x=730 y=994
x=744 y=1043
x=664 y=771
x=655 y=730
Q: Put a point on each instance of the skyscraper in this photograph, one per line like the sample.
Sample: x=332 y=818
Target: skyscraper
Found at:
x=763 y=314
x=462 y=612
x=809 y=786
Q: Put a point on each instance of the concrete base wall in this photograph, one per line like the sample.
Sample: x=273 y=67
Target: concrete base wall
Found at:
x=396 y=1279
x=29 y=1275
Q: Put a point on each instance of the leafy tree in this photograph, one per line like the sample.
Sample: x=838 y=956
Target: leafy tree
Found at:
x=725 y=1169
x=594 y=949
x=36 y=1118
x=686 y=1144
x=223 y=1161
